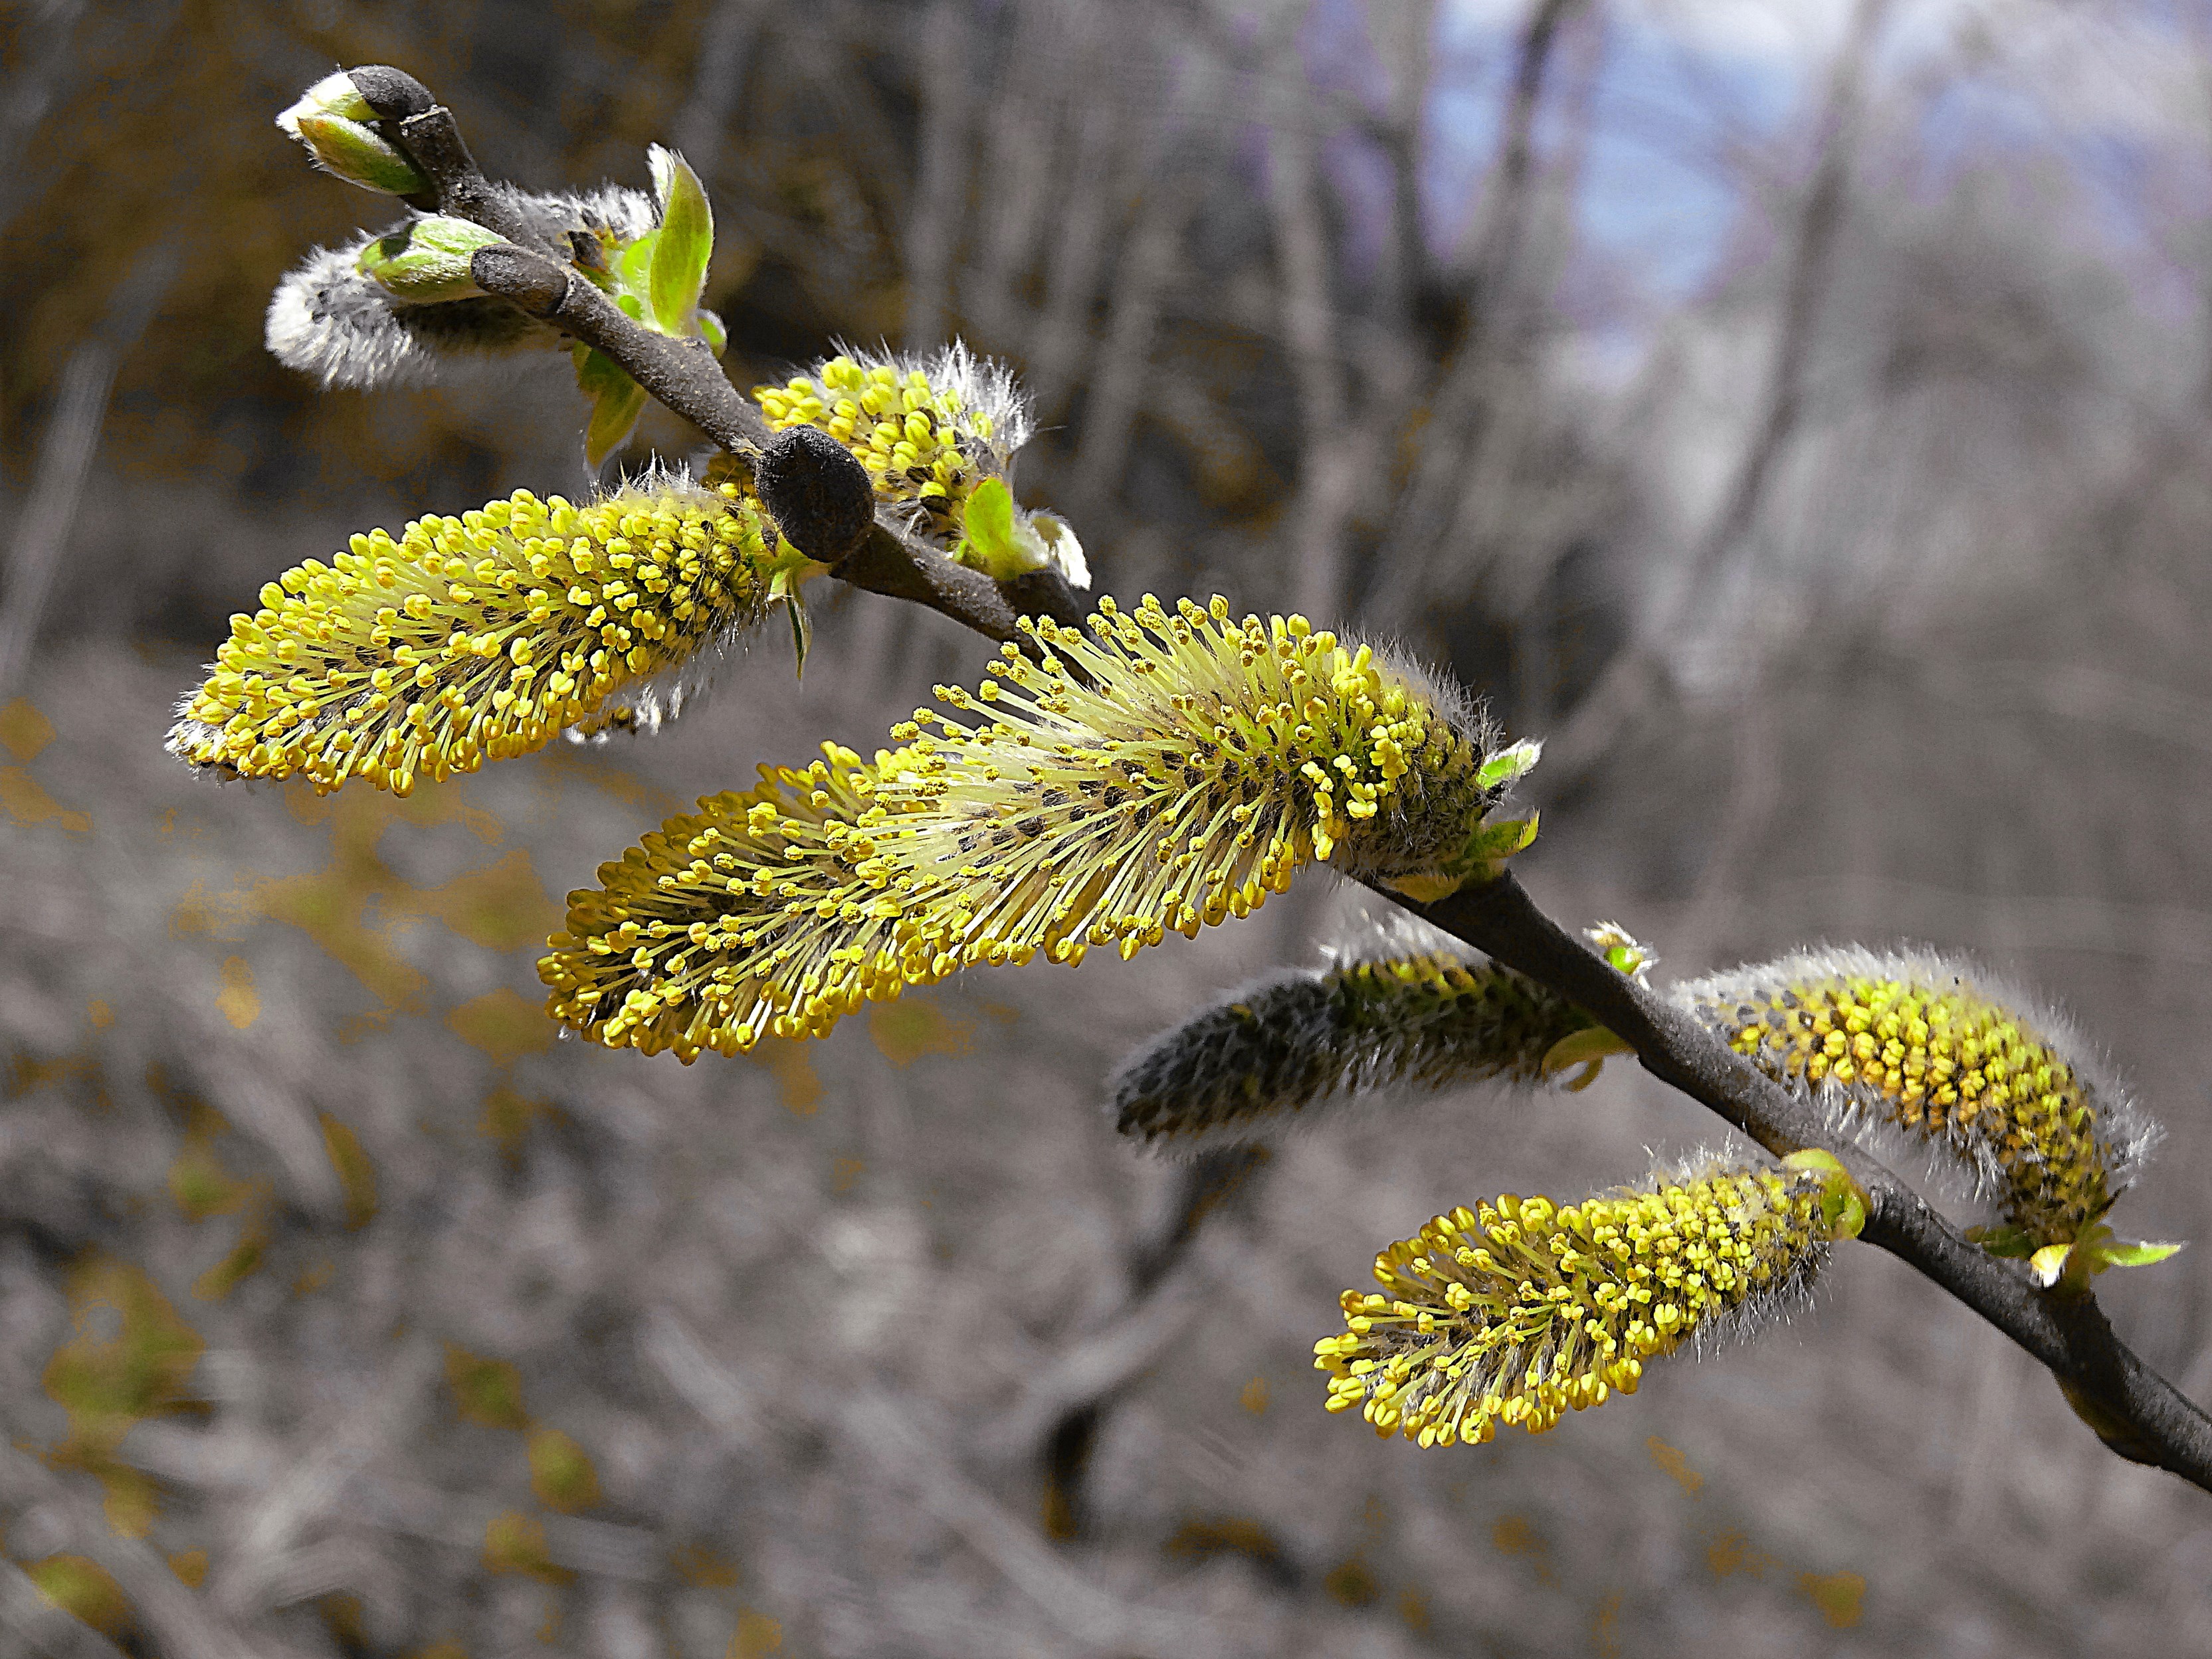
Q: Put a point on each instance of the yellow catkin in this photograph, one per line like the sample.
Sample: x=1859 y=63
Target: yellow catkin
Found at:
x=1169 y=776
x=1171 y=771
x=1519 y=1310
x=742 y=920
x=475 y=638
x=1912 y=1042
x=927 y=432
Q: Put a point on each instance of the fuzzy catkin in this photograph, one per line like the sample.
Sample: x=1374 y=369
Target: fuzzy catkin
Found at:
x=477 y=638
x=1518 y=1311
x=1275 y=1051
x=1170 y=775
x=328 y=319
x=1924 y=1047
x=742 y=920
x=928 y=430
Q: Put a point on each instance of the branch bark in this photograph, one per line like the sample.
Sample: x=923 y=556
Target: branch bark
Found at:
x=682 y=375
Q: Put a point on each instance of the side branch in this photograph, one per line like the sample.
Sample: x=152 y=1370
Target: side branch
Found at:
x=682 y=375
x=2135 y=1411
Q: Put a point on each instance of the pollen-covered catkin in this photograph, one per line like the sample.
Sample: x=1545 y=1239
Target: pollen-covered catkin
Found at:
x=928 y=431
x=1275 y=1051
x=1170 y=773
x=475 y=638
x=1922 y=1046
x=937 y=437
x=744 y=921
x=1518 y=1311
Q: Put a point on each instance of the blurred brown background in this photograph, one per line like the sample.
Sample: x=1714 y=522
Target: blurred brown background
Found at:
x=1796 y=411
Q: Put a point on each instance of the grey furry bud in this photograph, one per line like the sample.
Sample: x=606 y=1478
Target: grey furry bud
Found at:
x=1406 y=1006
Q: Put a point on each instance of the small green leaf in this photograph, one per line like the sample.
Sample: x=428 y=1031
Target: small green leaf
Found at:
x=2133 y=1255
x=632 y=269
x=2048 y=1264
x=1587 y=1049
x=990 y=544
x=596 y=372
x=711 y=330
x=802 y=631
x=1493 y=843
x=685 y=244
x=2013 y=1243
x=1843 y=1200
x=1510 y=765
x=791 y=569
x=617 y=402
x=1426 y=889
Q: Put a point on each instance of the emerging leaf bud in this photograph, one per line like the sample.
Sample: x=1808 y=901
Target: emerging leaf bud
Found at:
x=427 y=260
x=332 y=120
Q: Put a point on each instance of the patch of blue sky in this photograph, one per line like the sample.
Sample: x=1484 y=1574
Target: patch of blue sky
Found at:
x=1673 y=115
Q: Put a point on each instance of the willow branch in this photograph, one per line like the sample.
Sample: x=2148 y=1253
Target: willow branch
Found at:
x=2135 y=1411
x=681 y=374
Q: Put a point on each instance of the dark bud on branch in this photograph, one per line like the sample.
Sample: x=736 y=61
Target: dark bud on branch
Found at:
x=394 y=95
x=819 y=496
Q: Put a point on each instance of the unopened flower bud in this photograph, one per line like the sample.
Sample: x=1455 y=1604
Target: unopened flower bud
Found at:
x=332 y=118
x=817 y=494
x=427 y=259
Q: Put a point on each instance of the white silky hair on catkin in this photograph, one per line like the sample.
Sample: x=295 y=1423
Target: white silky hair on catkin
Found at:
x=327 y=320
x=648 y=708
x=1370 y=928
x=1288 y=1051
x=2125 y=1127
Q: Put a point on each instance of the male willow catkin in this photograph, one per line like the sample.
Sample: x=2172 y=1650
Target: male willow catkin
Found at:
x=937 y=436
x=1517 y=1310
x=1402 y=1004
x=480 y=637
x=1924 y=1046
x=1170 y=775
x=744 y=921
